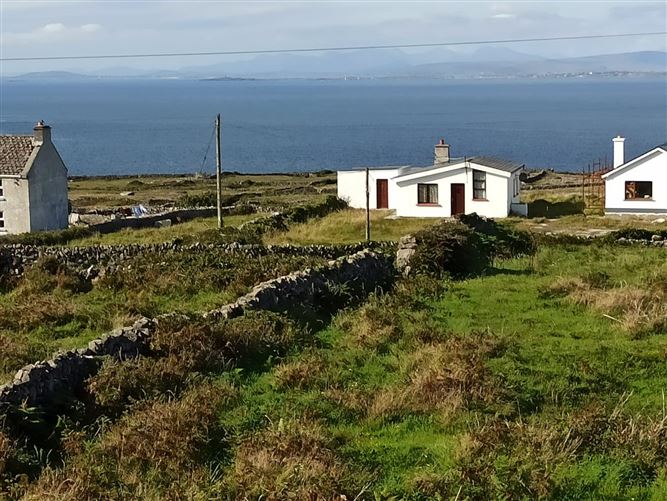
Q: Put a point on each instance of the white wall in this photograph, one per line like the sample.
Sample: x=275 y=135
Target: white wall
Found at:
x=47 y=184
x=652 y=168
x=352 y=186
x=497 y=201
x=14 y=206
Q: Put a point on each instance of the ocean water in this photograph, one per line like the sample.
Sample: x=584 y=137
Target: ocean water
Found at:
x=164 y=126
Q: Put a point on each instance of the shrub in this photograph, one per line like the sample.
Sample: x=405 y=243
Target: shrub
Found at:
x=59 y=237
x=467 y=247
x=450 y=249
x=207 y=199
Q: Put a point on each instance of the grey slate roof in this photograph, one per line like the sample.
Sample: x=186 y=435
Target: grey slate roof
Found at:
x=497 y=163
x=14 y=154
x=491 y=162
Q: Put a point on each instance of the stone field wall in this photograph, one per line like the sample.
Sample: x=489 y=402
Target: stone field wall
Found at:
x=43 y=383
x=15 y=259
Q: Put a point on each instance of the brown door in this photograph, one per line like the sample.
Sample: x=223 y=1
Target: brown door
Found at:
x=458 y=199
x=382 y=190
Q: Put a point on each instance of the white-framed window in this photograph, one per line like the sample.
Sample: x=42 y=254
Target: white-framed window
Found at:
x=2 y=190
x=2 y=221
x=478 y=185
x=516 y=186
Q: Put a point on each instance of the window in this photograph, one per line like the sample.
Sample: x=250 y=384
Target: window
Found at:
x=478 y=185
x=516 y=186
x=2 y=221
x=638 y=190
x=2 y=191
x=427 y=193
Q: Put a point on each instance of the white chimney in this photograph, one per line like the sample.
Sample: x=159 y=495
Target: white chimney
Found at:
x=441 y=152
x=619 y=153
x=42 y=133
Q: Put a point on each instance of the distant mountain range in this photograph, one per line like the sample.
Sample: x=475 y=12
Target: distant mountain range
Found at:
x=489 y=62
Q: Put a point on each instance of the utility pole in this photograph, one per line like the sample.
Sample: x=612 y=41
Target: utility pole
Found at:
x=368 y=208
x=218 y=169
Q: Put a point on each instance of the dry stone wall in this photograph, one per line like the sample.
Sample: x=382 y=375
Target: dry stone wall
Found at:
x=44 y=383
x=15 y=259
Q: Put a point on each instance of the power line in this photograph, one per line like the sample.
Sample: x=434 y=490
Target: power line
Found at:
x=329 y=49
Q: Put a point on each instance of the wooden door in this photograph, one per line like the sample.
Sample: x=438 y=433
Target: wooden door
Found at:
x=382 y=191
x=458 y=199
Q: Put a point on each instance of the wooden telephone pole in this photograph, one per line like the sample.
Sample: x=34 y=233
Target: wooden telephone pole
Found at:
x=368 y=208
x=218 y=169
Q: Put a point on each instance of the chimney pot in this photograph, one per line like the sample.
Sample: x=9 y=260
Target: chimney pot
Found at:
x=619 y=151
x=41 y=133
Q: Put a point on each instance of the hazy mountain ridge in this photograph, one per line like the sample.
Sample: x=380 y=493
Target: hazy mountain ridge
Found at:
x=435 y=63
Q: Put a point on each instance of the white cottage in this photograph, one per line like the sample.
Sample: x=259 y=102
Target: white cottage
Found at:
x=485 y=185
x=33 y=183
x=638 y=186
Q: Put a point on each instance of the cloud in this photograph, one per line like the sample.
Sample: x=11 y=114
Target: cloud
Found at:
x=504 y=16
x=53 y=28
x=90 y=28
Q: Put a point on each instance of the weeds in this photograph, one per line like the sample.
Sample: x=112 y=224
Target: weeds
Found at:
x=290 y=460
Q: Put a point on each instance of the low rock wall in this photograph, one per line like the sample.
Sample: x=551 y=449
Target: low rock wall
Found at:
x=15 y=259
x=44 y=383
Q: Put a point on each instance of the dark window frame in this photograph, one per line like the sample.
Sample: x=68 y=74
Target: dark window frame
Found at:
x=643 y=190
x=479 y=185
x=425 y=192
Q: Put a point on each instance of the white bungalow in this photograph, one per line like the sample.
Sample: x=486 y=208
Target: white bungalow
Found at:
x=485 y=185
x=638 y=186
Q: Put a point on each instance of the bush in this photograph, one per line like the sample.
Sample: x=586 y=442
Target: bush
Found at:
x=207 y=199
x=467 y=247
x=450 y=249
x=59 y=237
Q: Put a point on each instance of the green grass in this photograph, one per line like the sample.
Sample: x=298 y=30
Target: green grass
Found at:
x=188 y=229
x=348 y=226
x=560 y=358
x=484 y=388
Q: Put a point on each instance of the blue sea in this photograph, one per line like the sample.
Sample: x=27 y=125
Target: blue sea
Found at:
x=165 y=126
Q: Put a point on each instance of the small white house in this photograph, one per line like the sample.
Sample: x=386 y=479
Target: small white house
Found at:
x=33 y=183
x=451 y=186
x=638 y=186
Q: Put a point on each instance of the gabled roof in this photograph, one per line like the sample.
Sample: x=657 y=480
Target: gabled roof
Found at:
x=630 y=163
x=14 y=154
x=490 y=162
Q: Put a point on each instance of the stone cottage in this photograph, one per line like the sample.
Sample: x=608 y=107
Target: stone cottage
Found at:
x=33 y=183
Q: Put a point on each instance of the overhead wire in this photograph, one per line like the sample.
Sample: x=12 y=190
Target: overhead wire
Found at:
x=330 y=49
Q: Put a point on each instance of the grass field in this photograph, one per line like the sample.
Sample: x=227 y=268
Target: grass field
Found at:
x=542 y=379
x=348 y=226
x=189 y=229
x=271 y=190
x=52 y=308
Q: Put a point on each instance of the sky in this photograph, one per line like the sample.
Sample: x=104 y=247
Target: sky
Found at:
x=56 y=28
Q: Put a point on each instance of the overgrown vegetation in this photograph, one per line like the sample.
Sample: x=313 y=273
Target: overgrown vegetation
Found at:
x=509 y=379
x=52 y=307
x=467 y=247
